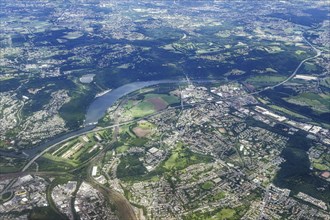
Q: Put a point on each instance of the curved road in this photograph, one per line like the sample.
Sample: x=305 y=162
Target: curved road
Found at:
x=127 y=122
x=114 y=195
x=318 y=53
x=86 y=132
x=69 y=138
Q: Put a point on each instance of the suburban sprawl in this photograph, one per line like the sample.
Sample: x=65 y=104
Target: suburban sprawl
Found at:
x=164 y=109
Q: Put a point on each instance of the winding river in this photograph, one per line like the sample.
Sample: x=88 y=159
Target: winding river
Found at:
x=99 y=106
x=95 y=111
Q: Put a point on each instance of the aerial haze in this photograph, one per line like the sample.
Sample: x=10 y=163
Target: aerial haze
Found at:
x=164 y=109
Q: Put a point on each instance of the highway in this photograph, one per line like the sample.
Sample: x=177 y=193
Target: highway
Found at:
x=69 y=138
x=318 y=53
x=116 y=125
x=127 y=122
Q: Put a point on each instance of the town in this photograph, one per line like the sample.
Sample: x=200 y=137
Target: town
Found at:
x=214 y=147
x=176 y=109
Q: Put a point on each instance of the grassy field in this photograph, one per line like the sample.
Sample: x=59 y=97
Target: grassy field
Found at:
x=54 y=159
x=60 y=160
x=322 y=163
x=320 y=103
x=219 y=195
x=321 y=166
x=265 y=80
x=219 y=214
x=73 y=35
x=182 y=157
x=142 y=109
x=143 y=129
x=286 y=111
x=150 y=104
x=122 y=149
x=145 y=125
x=169 y=99
x=125 y=129
x=263 y=101
x=8 y=165
x=60 y=150
x=300 y=52
x=308 y=66
x=6 y=197
x=46 y=163
x=130 y=166
x=225 y=214
x=207 y=185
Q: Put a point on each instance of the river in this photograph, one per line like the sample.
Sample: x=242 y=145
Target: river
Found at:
x=95 y=111
x=100 y=105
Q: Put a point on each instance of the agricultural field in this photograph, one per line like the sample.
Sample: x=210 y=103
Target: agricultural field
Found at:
x=135 y=134
x=265 y=80
x=319 y=103
x=150 y=104
x=143 y=129
x=287 y=111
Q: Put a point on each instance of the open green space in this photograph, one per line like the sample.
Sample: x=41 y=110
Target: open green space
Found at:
x=169 y=99
x=207 y=185
x=287 y=111
x=83 y=153
x=8 y=164
x=126 y=133
x=149 y=104
x=226 y=213
x=181 y=157
x=130 y=166
x=142 y=109
x=300 y=52
x=219 y=195
x=219 y=214
x=321 y=166
x=265 y=80
x=145 y=125
x=322 y=163
x=308 y=66
x=320 y=103
x=143 y=129
x=122 y=149
x=61 y=149
x=55 y=161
